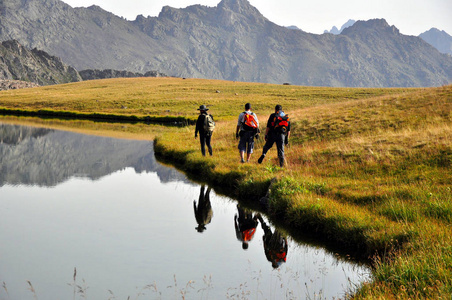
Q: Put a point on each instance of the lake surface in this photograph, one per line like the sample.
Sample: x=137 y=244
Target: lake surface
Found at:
x=131 y=226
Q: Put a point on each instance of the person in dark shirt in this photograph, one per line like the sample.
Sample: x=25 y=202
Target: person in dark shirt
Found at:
x=275 y=245
x=204 y=135
x=203 y=211
x=276 y=134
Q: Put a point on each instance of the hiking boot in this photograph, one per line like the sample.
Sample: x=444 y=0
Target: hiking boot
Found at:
x=242 y=161
x=261 y=159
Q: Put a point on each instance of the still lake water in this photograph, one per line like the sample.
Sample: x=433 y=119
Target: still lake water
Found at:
x=127 y=224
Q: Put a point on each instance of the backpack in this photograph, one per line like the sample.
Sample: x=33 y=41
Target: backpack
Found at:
x=281 y=122
x=209 y=124
x=249 y=122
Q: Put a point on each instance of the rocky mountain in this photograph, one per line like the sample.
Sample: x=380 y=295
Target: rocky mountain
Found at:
x=231 y=41
x=439 y=39
x=19 y=63
x=23 y=68
x=334 y=29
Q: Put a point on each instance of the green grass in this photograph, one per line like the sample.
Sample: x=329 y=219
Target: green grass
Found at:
x=368 y=170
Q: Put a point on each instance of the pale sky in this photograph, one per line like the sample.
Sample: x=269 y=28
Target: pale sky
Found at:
x=411 y=17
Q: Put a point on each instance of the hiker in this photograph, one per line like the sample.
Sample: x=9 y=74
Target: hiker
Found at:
x=278 y=131
x=247 y=129
x=245 y=226
x=203 y=212
x=205 y=126
x=275 y=245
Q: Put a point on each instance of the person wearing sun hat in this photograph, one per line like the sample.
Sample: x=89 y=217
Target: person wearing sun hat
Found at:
x=205 y=129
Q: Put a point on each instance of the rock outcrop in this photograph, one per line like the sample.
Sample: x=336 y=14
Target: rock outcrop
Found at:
x=16 y=84
x=34 y=66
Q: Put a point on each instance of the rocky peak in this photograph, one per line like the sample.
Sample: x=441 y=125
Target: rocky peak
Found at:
x=335 y=30
x=439 y=39
x=242 y=7
x=170 y=13
x=238 y=6
x=13 y=46
x=96 y=8
x=238 y=14
x=374 y=25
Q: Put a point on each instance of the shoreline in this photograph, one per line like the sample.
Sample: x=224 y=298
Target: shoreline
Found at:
x=311 y=224
x=97 y=117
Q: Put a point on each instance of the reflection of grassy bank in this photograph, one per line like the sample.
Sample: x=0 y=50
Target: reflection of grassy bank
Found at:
x=368 y=169
x=138 y=131
x=42 y=113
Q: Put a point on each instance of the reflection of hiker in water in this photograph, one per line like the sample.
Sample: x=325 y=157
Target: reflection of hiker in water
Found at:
x=275 y=245
x=203 y=212
x=245 y=226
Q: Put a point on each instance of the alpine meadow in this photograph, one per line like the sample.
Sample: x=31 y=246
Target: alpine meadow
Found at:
x=368 y=170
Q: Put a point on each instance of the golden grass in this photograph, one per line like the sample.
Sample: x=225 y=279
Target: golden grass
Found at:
x=368 y=169
x=176 y=97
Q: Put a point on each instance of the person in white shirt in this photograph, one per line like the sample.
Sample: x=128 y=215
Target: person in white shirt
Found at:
x=247 y=128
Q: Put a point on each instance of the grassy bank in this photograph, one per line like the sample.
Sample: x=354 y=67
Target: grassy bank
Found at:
x=367 y=169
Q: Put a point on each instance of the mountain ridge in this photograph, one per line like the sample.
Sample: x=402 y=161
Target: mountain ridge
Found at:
x=335 y=30
x=232 y=41
x=439 y=39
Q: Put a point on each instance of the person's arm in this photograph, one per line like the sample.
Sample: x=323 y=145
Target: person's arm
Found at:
x=257 y=120
x=197 y=126
x=239 y=124
x=286 y=140
x=269 y=123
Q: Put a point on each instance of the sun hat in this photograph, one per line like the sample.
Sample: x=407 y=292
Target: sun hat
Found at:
x=203 y=107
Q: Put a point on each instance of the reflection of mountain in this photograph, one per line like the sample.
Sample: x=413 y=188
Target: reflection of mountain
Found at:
x=47 y=157
x=14 y=134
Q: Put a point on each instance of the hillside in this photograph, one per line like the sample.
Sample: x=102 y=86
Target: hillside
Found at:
x=232 y=41
x=439 y=39
x=19 y=63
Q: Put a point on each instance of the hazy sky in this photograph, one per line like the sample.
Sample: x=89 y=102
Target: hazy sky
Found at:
x=411 y=17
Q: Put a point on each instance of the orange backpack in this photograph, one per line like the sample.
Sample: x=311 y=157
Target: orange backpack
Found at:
x=249 y=122
x=281 y=122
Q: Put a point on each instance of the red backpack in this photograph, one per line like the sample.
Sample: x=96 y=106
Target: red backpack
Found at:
x=281 y=123
x=249 y=122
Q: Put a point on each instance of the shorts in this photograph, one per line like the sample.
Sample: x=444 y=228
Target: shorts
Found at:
x=246 y=143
